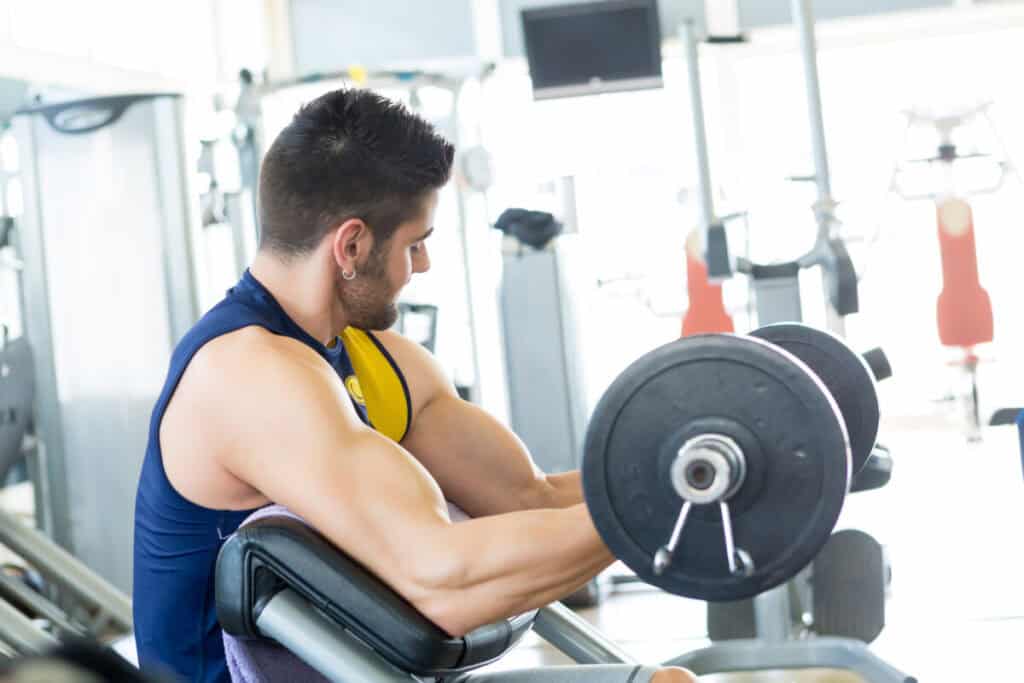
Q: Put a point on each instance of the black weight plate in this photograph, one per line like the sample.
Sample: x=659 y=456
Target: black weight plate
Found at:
x=794 y=444
x=845 y=373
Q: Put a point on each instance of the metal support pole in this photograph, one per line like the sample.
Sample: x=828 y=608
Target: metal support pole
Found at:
x=700 y=142
x=56 y=563
x=21 y=634
x=35 y=458
x=804 y=18
x=240 y=219
x=19 y=593
x=248 y=140
x=464 y=247
x=35 y=309
x=327 y=647
x=583 y=643
x=817 y=653
x=771 y=614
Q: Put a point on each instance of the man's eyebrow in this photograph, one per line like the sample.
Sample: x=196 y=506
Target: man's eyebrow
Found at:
x=425 y=235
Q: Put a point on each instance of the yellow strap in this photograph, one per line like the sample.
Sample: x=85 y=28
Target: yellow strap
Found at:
x=377 y=384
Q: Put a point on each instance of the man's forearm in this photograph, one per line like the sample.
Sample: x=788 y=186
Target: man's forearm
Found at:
x=506 y=564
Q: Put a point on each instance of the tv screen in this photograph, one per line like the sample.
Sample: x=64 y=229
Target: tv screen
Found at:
x=593 y=47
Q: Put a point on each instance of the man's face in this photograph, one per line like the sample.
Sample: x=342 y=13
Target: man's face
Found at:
x=370 y=299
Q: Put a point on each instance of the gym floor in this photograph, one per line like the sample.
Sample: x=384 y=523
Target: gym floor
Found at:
x=949 y=519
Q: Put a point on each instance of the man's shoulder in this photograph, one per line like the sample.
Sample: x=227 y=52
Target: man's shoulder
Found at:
x=254 y=341
x=250 y=356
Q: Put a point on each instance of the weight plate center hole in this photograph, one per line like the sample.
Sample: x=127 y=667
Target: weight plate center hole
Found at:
x=700 y=474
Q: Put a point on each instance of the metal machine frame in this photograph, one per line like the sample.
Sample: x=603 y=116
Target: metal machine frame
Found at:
x=75 y=601
x=153 y=124
x=541 y=340
x=778 y=300
x=293 y=621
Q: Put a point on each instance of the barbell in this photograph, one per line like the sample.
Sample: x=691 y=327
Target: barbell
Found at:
x=716 y=466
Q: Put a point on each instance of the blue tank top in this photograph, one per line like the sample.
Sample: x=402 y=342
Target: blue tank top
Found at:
x=176 y=541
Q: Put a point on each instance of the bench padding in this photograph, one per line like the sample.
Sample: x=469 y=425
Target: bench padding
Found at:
x=280 y=552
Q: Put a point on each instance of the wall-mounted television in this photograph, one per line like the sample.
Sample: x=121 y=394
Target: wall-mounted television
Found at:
x=593 y=47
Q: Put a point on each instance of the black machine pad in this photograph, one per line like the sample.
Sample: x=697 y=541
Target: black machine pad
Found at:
x=274 y=553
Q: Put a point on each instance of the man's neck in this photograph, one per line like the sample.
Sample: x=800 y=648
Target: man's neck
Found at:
x=305 y=290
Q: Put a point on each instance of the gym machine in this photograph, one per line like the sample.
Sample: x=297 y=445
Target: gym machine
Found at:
x=539 y=324
x=715 y=467
x=535 y=296
x=963 y=309
x=67 y=599
x=108 y=287
x=55 y=596
x=539 y=319
x=776 y=286
x=418 y=322
x=762 y=633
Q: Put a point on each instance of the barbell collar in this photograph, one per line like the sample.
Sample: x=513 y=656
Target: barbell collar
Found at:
x=709 y=468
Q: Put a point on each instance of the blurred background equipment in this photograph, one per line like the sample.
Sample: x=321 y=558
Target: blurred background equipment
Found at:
x=131 y=136
x=964 y=308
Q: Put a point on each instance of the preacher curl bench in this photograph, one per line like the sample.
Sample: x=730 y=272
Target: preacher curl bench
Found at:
x=715 y=467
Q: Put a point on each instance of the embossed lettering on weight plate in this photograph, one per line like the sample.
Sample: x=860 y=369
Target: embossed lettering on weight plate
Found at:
x=796 y=484
x=640 y=503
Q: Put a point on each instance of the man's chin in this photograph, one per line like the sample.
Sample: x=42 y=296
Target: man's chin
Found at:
x=384 y=320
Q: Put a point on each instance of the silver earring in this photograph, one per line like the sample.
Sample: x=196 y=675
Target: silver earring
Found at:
x=348 y=276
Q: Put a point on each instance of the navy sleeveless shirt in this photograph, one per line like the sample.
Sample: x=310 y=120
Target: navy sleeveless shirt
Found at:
x=176 y=541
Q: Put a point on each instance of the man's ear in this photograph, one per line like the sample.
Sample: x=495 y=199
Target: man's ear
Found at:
x=353 y=241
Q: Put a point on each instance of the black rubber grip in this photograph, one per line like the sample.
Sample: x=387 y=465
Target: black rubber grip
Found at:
x=879 y=364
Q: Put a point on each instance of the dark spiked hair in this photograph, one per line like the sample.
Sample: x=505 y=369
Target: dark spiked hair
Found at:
x=348 y=154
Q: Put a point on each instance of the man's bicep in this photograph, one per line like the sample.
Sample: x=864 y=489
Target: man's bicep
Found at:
x=349 y=483
x=309 y=452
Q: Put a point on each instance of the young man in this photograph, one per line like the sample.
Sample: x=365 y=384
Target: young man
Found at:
x=281 y=394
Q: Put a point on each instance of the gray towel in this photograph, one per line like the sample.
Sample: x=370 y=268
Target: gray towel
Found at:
x=263 y=661
x=252 y=660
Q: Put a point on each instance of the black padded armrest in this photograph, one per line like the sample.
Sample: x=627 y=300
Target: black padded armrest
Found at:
x=279 y=552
